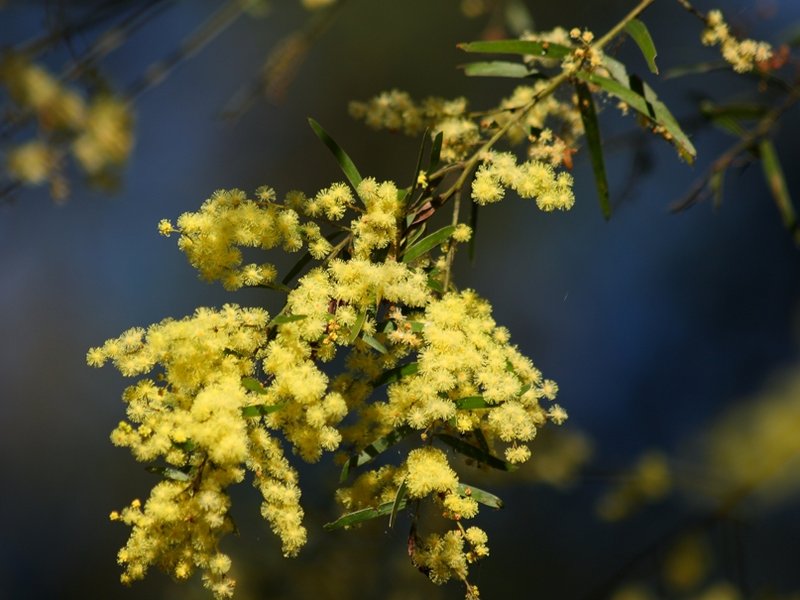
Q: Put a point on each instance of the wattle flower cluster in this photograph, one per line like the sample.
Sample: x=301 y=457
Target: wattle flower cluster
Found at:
x=232 y=388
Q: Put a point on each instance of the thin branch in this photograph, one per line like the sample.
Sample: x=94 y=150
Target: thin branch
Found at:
x=745 y=143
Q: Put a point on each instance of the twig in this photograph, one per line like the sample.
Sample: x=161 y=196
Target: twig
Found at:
x=745 y=143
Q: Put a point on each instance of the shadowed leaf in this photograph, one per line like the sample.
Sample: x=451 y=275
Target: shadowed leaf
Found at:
x=474 y=452
x=592 y=130
x=396 y=374
x=543 y=49
x=777 y=185
x=374 y=449
x=366 y=514
x=399 y=500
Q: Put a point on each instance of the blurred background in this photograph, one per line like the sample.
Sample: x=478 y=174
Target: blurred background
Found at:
x=673 y=337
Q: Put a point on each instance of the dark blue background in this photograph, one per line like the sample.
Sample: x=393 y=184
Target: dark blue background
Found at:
x=651 y=323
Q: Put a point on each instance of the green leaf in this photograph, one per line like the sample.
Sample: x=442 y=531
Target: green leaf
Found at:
x=346 y=164
x=428 y=243
x=542 y=49
x=471 y=403
x=414 y=235
x=374 y=343
x=435 y=285
x=695 y=69
x=481 y=439
x=252 y=384
x=744 y=111
x=638 y=31
x=777 y=185
x=474 y=452
x=362 y=316
x=592 y=129
x=374 y=449
x=396 y=374
x=365 y=514
x=642 y=99
x=281 y=319
x=307 y=258
x=498 y=68
x=480 y=495
x=728 y=116
x=436 y=150
x=169 y=472
x=473 y=223
x=260 y=410
x=399 y=501
x=419 y=161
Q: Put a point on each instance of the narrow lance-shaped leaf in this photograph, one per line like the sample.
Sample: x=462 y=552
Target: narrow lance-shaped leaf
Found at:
x=777 y=185
x=543 y=49
x=472 y=403
x=169 y=472
x=374 y=449
x=640 y=34
x=435 y=285
x=260 y=410
x=428 y=243
x=420 y=156
x=436 y=150
x=396 y=374
x=728 y=116
x=643 y=100
x=499 y=68
x=418 y=231
x=695 y=69
x=592 y=129
x=374 y=343
x=251 y=384
x=282 y=319
x=480 y=495
x=474 y=452
x=481 y=439
x=348 y=167
x=473 y=224
x=736 y=110
x=399 y=501
x=362 y=515
x=362 y=316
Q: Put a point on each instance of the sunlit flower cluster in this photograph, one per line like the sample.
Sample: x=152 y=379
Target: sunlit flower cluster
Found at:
x=531 y=179
x=228 y=381
x=743 y=55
